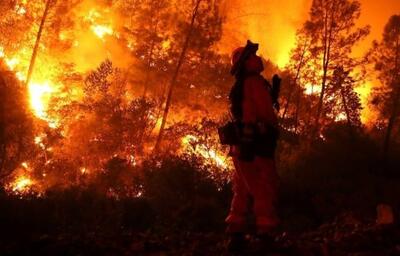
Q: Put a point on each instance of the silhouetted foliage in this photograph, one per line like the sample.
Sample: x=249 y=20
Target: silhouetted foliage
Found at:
x=16 y=123
x=385 y=55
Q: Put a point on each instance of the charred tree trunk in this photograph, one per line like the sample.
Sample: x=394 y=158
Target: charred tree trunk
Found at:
x=298 y=71
x=325 y=65
x=37 y=42
x=288 y=103
x=175 y=76
x=297 y=113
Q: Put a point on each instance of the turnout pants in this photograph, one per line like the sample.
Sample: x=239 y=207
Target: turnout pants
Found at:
x=259 y=181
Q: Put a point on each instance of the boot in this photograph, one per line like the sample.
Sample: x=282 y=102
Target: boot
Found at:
x=237 y=243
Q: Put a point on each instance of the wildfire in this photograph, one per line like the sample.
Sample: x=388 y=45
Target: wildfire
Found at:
x=85 y=44
x=210 y=155
x=21 y=185
x=39 y=95
x=12 y=63
x=100 y=30
x=311 y=89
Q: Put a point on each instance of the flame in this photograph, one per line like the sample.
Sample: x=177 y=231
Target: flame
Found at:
x=367 y=113
x=25 y=165
x=311 y=89
x=166 y=45
x=274 y=30
x=22 y=184
x=21 y=10
x=39 y=141
x=12 y=63
x=101 y=30
x=40 y=95
x=208 y=154
x=84 y=170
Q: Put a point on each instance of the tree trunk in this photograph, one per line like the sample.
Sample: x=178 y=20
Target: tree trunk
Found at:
x=150 y=59
x=295 y=80
x=326 y=61
x=297 y=113
x=175 y=76
x=346 y=110
x=38 y=37
x=287 y=104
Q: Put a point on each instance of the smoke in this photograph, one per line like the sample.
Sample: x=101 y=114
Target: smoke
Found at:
x=272 y=23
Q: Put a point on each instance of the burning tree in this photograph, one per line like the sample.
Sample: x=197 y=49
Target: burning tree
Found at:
x=299 y=74
x=332 y=34
x=16 y=124
x=386 y=58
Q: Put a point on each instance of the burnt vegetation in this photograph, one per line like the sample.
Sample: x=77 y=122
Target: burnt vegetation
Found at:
x=84 y=169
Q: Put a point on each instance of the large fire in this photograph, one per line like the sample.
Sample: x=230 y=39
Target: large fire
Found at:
x=96 y=35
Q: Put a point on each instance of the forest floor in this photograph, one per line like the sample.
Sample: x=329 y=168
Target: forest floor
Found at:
x=347 y=237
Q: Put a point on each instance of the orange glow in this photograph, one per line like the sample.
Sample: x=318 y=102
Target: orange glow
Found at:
x=273 y=24
x=21 y=185
x=101 y=30
x=210 y=155
x=97 y=34
x=39 y=97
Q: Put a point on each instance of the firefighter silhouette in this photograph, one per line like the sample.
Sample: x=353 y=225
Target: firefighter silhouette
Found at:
x=255 y=178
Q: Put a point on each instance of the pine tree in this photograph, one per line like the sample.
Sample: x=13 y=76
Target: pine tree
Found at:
x=331 y=28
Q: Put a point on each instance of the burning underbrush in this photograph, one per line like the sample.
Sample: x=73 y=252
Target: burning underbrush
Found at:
x=104 y=137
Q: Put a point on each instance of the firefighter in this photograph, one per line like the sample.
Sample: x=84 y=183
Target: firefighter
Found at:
x=255 y=180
